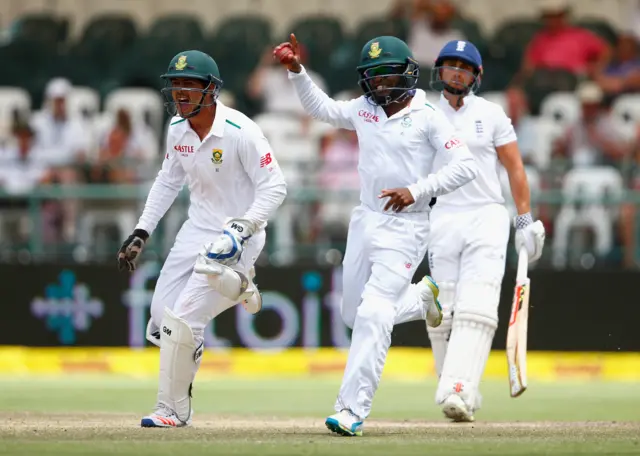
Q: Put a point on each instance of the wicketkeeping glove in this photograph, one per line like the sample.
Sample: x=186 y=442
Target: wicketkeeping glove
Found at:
x=131 y=250
x=228 y=248
x=530 y=235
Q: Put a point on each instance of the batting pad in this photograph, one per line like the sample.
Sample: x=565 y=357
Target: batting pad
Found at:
x=228 y=282
x=179 y=361
x=439 y=336
x=474 y=325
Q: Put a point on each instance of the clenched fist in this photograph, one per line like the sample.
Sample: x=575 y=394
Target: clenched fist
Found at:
x=288 y=54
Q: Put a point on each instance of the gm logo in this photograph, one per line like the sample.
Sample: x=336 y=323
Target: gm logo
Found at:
x=237 y=227
x=67 y=307
x=166 y=330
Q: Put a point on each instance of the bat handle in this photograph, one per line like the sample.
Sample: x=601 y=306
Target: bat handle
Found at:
x=523 y=264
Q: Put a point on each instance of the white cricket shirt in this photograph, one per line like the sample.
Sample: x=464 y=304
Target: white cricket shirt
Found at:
x=483 y=125
x=395 y=152
x=231 y=173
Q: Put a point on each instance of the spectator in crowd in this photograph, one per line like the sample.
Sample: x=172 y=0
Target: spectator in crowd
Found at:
x=431 y=27
x=623 y=74
x=562 y=46
x=22 y=169
x=270 y=85
x=122 y=152
x=594 y=139
x=66 y=140
x=21 y=165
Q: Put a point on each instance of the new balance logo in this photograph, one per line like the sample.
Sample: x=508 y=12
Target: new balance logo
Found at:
x=265 y=160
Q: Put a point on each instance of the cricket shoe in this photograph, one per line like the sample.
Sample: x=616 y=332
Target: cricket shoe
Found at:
x=455 y=409
x=253 y=304
x=345 y=423
x=164 y=417
x=429 y=296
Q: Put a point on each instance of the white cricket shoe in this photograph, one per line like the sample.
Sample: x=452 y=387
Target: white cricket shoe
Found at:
x=163 y=416
x=345 y=423
x=455 y=409
x=429 y=296
x=253 y=304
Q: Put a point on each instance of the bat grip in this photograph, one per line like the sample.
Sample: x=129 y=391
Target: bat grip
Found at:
x=523 y=264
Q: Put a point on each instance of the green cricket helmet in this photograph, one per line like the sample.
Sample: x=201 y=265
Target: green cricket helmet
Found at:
x=192 y=65
x=387 y=57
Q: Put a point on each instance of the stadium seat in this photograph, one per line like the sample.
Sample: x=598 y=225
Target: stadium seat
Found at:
x=471 y=31
x=496 y=97
x=533 y=177
x=511 y=39
x=104 y=46
x=44 y=29
x=90 y=218
x=601 y=28
x=176 y=27
x=585 y=193
x=320 y=35
x=547 y=131
x=145 y=106
x=297 y=151
x=627 y=108
x=561 y=107
x=238 y=45
x=14 y=103
x=546 y=81
x=83 y=102
x=380 y=26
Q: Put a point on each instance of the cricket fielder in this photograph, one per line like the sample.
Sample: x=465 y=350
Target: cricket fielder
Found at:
x=470 y=231
x=399 y=135
x=235 y=185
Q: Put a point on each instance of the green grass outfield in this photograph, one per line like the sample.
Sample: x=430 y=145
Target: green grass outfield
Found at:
x=100 y=416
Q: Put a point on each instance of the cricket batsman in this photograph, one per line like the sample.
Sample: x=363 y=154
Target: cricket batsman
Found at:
x=399 y=135
x=470 y=232
x=235 y=185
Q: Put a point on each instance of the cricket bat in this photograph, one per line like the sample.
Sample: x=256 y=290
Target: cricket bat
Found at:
x=517 y=332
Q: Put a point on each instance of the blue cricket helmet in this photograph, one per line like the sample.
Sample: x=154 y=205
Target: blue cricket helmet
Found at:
x=462 y=50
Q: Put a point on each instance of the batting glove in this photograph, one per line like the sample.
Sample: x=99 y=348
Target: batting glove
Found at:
x=530 y=235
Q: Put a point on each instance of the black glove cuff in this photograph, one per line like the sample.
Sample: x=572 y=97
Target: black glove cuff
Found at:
x=142 y=234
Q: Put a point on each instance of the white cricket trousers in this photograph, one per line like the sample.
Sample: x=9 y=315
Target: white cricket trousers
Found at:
x=187 y=293
x=383 y=252
x=467 y=254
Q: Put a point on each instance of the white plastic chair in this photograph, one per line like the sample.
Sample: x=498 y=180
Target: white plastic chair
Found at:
x=533 y=177
x=627 y=108
x=547 y=131
x=141 y=104
x=83 y=102
x=593 y=185
x=562 y=108
x=496 y=97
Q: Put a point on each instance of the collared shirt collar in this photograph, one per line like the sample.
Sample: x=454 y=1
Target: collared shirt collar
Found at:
x=468 y=101
x=217 y=129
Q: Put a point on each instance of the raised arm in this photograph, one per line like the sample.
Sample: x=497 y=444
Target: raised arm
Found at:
x=315 y=102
